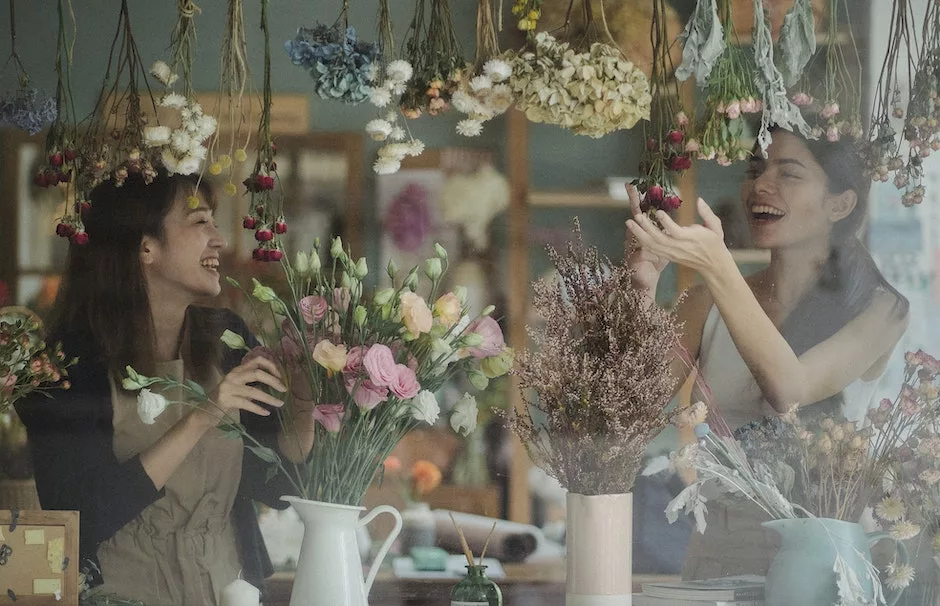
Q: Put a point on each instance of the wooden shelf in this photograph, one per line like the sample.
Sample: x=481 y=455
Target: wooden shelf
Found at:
x=576 y=199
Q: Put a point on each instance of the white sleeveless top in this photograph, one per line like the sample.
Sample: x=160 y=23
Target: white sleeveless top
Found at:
x=735 y=391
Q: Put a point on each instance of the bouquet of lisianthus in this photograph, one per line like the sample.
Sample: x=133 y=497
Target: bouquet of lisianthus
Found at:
x=367 y=363
x=26 y=363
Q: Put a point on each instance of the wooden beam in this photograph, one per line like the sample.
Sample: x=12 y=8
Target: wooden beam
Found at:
x=687 y=187
x=520 y=507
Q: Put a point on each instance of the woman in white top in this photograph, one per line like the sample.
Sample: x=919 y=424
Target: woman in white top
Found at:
x=819 y=320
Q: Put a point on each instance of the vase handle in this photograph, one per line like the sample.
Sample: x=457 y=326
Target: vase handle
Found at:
x=874 y=537
x=377 y=562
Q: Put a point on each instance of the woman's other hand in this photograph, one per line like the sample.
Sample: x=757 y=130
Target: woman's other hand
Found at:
x=646 y=265
x=236 y=392
x=699 y=247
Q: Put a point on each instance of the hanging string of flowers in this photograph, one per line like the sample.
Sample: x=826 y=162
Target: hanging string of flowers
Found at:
x=484 y=93
x=884 y=145
x=342 y=66
x=585 y=85
x=182 y=149
x=394 y=75
x=62 y=140
x=528 y=12
x=711 y=51
x=24 y=107
x=433 y=50
x=835 y=98
x=114 y=146
x=266 y=212
x=668 y=151
x=234 y=79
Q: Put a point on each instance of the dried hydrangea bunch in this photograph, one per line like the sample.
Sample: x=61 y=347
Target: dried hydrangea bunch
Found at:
x=27 y=109
x=596 y=380
x=591 y=93
x=342 y=66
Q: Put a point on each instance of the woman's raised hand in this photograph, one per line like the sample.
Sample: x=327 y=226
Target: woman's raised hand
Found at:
x=646 y=265
x=235 y=392
x=699 y=247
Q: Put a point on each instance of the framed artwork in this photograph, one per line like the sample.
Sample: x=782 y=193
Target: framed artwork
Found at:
x=39 y=557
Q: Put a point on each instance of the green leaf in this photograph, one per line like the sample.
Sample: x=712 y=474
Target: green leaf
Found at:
x=232 y=430
x=797 y=40
x=703 y=42
x=265 y=454
x=271 y=474
x=197 y=389
x=233 y=282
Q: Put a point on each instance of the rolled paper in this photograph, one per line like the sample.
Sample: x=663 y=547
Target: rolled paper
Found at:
x=240 y=593
x=509 y=542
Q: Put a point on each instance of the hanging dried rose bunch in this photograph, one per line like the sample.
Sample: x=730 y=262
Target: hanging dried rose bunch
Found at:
x=669 y=148
x=829 y=88
x=266 y=212
x=114 y=147
x=581 y=82
x=884 y=153
x=433 y=51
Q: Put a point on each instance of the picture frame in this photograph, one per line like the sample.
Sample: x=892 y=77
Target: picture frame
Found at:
x=42 y=568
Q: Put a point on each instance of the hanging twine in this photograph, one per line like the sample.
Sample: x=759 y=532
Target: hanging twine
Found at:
x=188 y=9
x=487 y=38
x=386 y=36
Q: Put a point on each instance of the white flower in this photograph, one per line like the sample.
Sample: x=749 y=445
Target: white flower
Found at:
x=890 y=509
x=169 y=160
x=173 y=101
x=161 y=71
x=497 y=70
x=424 y=407
x=415 y=147
x=480 y=83
x=499 y=98
x=397 y=134
x=396 y=151
x=372 y=73
x=899 y=577
x=150 y=406
x=399 y=71
x=386 y=166
x=180 y=141
x=378 y=129
x=380 y=96
x=204 y=127
x=904 y=530
x=463 y=102
x=399 y=88
x=464 y=418
x=469 y=128
x=188 y=165
x=155 y=136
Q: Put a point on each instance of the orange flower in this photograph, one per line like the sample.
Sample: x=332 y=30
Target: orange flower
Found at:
x=425 y=477
x=392 y=465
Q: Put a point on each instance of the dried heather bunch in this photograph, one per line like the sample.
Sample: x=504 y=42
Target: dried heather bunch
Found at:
x=597 y=379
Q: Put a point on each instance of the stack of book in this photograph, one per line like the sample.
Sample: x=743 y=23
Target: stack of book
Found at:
x=746 y=590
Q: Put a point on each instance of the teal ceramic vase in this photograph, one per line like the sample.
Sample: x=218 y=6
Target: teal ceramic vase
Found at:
x=802 y=571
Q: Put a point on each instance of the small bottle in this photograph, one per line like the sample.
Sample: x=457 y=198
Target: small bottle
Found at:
x=476 y=590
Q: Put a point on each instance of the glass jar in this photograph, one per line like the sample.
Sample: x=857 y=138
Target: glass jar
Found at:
x=418 y=527
x=476 y=590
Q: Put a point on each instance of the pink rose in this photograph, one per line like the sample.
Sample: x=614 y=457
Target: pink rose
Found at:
x=832 y=134
x=910 y=406
x=492 y=334
x=354 y=361
x=341 y=298
x=415 y=313
x=7 y=382
x=330 y=416
x=733 y=110
x=692 y=145
x=367 y=395
x=682 y=119
x=802 y=100
x=313 y=308
x=380 y=364
x=405 y=384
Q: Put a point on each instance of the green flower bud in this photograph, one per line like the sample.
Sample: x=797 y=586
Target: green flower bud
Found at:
x=301 y=263
x=263 y=293
x=440 y=251
x=391 y=269
x=359 y=315
x=500 y=364
x=432 y=268
x=336 y=249
x=488 y=310
x=478 y=379
x=314 y=262
x=362 y=269
x=472 y=339
x=383 y=296
x=233 y=340
x=461 y=293
x=411 y=282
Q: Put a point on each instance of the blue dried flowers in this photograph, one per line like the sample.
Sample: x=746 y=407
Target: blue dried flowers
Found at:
x=27 y=109
x=342 y=67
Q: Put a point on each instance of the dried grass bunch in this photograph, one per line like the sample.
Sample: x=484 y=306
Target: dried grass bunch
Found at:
x=597 y=380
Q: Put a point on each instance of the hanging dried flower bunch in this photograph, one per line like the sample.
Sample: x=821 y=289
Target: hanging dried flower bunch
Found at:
x=266 y=211
x=485 y=92
x=342 y=66
x=830 y=85
x=62 y=141
x=114 y=146
x=669 y=148
x=433 y=50
x=182 y=149
x=884 y=146
x=585 y=85
x=24 y=107
x=234 y=79
x=712 y=53
x=394 y=75
x=528 y=13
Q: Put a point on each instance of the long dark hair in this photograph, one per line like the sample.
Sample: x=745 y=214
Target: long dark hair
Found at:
x=103 y=292
x=849 y=279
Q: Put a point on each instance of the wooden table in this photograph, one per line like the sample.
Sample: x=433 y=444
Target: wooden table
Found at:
x=524 y=585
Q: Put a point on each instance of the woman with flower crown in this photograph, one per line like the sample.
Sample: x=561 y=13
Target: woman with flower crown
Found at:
x=814 y=328
x=165 y=496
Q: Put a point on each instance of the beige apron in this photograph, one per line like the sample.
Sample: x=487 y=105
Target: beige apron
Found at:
x=181 y=550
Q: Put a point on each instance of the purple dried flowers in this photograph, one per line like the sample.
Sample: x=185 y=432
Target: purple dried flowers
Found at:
x=27 y=109
x=597 y=379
